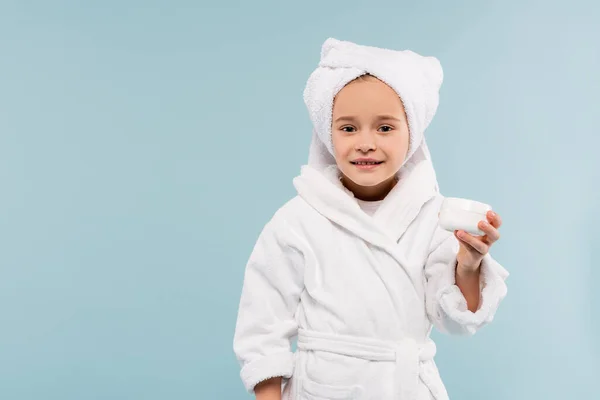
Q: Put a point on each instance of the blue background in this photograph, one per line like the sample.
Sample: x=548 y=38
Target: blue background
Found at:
x=144 y=144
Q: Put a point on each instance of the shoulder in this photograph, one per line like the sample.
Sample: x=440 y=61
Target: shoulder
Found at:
x=439 y=234
x=287 y=224
x=429 y=211
x=295 y=213
x=435 y=204
x=290 y=212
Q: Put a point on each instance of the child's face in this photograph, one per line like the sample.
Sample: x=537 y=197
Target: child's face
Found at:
x=369 y=122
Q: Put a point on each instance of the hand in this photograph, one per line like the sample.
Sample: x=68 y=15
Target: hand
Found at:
x=474 y=248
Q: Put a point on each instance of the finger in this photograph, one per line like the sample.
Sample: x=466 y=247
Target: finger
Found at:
x=491 y=234
x=469 y=248
x=494 y=219
x=476 y=243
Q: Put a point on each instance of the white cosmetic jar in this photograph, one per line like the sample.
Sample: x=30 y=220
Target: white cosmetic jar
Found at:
x=463 y=214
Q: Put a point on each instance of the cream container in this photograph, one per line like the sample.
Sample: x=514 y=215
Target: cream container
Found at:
x=463 y=214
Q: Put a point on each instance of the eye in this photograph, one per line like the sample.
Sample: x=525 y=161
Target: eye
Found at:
x=386 y=126
x=344 y=128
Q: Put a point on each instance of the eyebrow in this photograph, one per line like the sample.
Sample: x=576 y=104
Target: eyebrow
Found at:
x=379 y=117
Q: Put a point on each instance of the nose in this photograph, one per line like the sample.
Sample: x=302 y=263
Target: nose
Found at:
x=365 y=143
x=365 y=148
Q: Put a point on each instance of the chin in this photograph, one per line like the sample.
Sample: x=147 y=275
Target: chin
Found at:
x=367 y=181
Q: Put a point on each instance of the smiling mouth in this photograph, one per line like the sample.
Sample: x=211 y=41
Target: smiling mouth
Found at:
x=366 y=162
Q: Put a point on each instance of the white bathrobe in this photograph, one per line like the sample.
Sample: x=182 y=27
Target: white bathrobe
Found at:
x=360 y=293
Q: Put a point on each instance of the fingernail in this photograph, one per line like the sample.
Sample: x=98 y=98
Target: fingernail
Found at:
x=493 y=213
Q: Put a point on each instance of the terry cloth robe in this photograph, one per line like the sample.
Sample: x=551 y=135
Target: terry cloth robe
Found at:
x=360 y=293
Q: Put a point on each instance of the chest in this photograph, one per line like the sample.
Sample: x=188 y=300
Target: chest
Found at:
x=345 y=264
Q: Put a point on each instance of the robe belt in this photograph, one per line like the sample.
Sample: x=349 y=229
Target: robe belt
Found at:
x=407 y=354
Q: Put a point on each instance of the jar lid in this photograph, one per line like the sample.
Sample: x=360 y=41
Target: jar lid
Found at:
x=466 y=205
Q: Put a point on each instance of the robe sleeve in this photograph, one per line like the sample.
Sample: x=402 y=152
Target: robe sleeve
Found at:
x=446 y=306
x=266 y=321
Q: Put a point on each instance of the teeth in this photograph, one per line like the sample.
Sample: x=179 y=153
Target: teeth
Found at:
x=366 y=162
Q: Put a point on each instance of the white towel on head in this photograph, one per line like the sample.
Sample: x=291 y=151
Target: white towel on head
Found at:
x=416 y=79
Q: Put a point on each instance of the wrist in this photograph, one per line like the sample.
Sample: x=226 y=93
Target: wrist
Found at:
x=467 y=271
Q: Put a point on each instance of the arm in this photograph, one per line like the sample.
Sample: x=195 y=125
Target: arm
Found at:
x=273 y=282
x=269 y=389
x=468 y=283
x=448 y=309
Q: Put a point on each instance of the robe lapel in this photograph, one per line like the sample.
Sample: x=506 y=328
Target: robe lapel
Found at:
x=326 y=194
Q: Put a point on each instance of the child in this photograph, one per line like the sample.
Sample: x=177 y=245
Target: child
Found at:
x=356 y=266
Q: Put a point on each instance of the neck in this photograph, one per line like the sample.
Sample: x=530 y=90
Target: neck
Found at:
x=370 y=193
